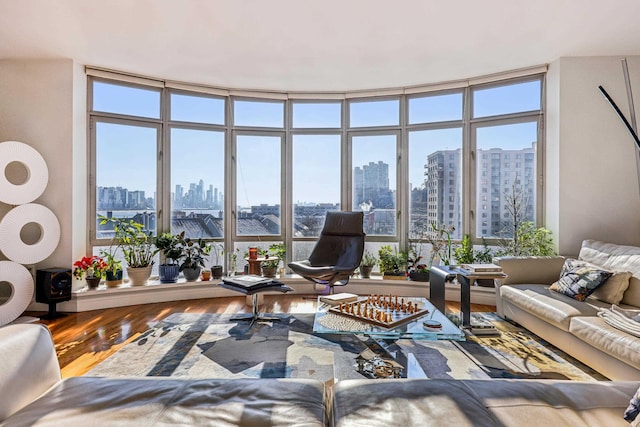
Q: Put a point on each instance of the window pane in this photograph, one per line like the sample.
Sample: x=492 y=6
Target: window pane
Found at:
x=317 y=115
x=258 y=113
x=125 y=184
x=197 y=199
x=198 y=109
x=506 y=170
x=112 y=98
x=506 y=99
x=435 y=181
x=258 y=185
x=438 y=108
x=374 y=182
x=316 y=181
x=374 y=113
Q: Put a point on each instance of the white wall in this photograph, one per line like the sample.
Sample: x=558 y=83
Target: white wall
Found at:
x=43 y=104
x=591 y=173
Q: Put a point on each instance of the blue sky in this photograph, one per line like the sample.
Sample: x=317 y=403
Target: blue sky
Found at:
x=126 y=155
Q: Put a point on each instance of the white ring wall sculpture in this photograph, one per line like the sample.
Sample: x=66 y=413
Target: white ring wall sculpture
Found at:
x=11 y=243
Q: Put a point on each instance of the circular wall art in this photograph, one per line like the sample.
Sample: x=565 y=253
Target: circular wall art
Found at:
x=21 y=282
x=37 y=173
x=11 y=243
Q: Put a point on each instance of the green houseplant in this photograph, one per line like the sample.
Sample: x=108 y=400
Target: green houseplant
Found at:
x=418 y=271
x=369 y=261
x=393 y=263
x=169 y=245
x=280 y=251
x=113 y=275
x=137 y=247
x=193 y=256
x=269 y=267
x=216 y=269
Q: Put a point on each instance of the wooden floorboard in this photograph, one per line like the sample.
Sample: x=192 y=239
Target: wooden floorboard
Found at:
x=85 y=339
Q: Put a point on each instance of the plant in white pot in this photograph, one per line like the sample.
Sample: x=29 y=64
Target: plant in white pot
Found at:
x=137 y=247
x=169 y=245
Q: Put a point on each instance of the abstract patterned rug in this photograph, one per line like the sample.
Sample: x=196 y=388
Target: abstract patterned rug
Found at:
x=213 y=346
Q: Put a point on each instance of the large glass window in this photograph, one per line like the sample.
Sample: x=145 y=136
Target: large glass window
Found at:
x=505 y=177
x=258 y=113
x=374 y=113
x=197 y=197
x=374 y=182
x=316 y=181
x=125 y=184
x=316 y=115
x=122 y=99
x=253 y=171
x=435 y=181
x=258 y=184
x=435 y=108
x=197 y=109
x=507 y=99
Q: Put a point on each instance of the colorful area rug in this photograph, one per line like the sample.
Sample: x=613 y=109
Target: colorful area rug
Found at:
x=213 y=346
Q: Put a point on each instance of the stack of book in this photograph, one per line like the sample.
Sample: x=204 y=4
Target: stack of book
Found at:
x=250 y=282
x=481 y=269
x=337 y=299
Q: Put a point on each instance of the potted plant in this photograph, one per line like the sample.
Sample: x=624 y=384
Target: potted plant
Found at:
x=92 y=267
x=418 y=271
x=113 y=275
x=233 y=262
x=440 y=239
x=280 y=251
x=269 y=267
x=366 y=265
x=137 y=247
x=216 y=269
x=193 y=256
x=393 y=264
x=169 y=245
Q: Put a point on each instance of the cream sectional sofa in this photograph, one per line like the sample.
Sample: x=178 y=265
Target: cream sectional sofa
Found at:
x=33 y=394
x=571 y=325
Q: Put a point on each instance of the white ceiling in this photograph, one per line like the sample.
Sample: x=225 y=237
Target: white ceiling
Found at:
x=317 y=45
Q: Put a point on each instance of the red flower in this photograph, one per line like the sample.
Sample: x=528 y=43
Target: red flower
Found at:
x=91 y=266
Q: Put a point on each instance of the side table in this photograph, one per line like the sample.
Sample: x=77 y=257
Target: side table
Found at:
x=442 y=273
x=255 y=315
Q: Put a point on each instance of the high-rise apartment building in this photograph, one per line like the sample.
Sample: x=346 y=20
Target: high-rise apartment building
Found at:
x=501 y=173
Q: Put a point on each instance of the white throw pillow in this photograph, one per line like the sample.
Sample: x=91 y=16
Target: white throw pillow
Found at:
x=613 y=289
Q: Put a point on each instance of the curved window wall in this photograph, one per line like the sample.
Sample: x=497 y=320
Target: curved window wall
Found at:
x=254 y=169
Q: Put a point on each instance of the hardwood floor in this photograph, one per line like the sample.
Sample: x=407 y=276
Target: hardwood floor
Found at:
x=85 y=339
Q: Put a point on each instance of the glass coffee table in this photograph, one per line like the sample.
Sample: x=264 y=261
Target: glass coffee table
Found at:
x=378 y=361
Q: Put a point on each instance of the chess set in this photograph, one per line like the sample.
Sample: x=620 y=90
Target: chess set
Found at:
x=387 y=311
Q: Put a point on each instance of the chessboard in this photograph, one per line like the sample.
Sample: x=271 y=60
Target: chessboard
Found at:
x=387 y=311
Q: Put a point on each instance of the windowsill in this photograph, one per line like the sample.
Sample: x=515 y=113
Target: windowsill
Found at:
x=154 y=292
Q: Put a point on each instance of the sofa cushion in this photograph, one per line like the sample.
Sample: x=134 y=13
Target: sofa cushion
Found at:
x=367 y=403
x=614 y=342
x=552 y=307
x=613 y=289
x=616 y=258
x=404 y=402
x=578 y=279
x=85 y=401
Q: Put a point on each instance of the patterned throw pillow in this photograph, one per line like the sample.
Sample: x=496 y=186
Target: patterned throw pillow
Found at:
x=578 y=279
x=634 y=407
